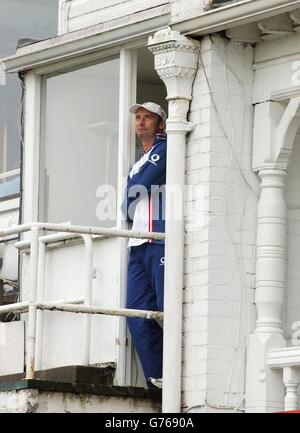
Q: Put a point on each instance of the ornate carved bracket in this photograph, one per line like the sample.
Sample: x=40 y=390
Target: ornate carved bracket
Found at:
x=176 y=61
x=266 y=29
x=286 y=132
x=279 y=25
x=275 y=128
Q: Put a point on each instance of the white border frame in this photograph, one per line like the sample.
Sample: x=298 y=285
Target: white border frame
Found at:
x=32 y=127
x=33 y=163
x=128 y=86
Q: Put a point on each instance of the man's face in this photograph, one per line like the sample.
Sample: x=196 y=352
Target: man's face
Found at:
x=147 y=124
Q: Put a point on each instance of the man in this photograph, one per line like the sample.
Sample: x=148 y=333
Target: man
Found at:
x=144 y=207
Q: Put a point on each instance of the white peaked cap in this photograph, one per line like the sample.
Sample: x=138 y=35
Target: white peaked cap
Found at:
x=150 y=106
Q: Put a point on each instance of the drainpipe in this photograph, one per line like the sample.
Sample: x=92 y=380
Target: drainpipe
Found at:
x=176 y=64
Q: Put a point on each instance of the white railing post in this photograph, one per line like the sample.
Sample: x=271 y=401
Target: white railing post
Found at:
x=291 y=379
x=31 y=327
x=88 y=284
x=40 y=297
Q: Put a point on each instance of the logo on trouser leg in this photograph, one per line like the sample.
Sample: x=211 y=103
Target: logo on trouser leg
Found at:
x=162 y=261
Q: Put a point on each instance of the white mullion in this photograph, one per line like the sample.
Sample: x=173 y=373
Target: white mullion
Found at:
x=31 y=146
x=43 y=194
x=128 y=73
x=128 y=77
x=30 y=174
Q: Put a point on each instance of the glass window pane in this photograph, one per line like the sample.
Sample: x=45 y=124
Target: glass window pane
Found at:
x=19 y=19
x=9 y=184
x=80 y=134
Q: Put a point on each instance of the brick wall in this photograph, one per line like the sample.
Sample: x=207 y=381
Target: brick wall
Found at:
x=220 y=228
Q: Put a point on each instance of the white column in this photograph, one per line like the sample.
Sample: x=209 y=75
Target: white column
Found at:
x=271 y=252
x=275 y=127
x=264 y=386
x=32 y=117
x=31 y=325
x=176 y=64
x=128 y=79
x=291 y=379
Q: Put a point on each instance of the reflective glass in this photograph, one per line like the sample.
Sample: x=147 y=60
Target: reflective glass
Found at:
x=34 y=19
x=80 y=146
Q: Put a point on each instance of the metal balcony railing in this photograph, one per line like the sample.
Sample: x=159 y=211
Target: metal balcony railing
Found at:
x=37 y=250
x=287 y=359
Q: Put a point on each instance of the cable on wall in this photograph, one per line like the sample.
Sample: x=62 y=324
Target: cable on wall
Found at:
x=241 y=270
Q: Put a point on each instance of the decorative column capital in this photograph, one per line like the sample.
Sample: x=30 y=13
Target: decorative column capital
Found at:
x=176 y=56
x=272 y=177
x=176 y=62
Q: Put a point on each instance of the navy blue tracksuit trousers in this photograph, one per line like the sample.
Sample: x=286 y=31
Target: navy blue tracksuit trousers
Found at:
x=145 y=291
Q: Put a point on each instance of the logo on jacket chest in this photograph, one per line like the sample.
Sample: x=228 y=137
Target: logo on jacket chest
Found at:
x=154 y=158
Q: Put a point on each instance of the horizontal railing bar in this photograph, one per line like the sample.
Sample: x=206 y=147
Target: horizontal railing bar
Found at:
x=70 y=305
x=16 y=229
x=16 y=307
x=10 y=173
x=83 y=230
x=58 y=237
x=85 y=309
x=22 y=307
x=2 y=241
x=52 y=238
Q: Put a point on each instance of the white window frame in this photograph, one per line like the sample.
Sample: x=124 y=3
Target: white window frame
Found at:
x=33 y=160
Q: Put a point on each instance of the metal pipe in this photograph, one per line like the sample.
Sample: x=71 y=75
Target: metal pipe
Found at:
x=18 y=307
x=83 y=230
x=99 y=310
x=34 y=247
x=174 y=254
x=22 y=307
x=47 y=239
x=69 y=305
x=31 y=331
x=17 y=229
x=2 y=241
x=87 y=296
x=31 y=327
x=40 y=297
x=55 y=238
x=99 y=231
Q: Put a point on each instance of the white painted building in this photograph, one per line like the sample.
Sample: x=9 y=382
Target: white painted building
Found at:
x=228 y=73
